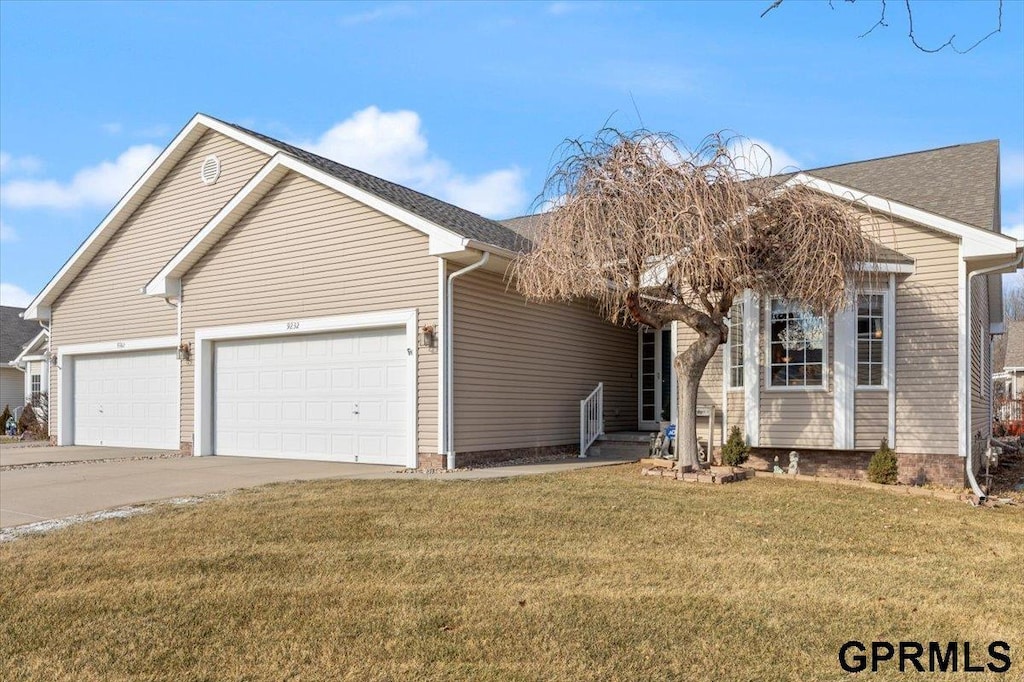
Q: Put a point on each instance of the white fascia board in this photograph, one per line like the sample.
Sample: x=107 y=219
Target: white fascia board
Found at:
x=39 y=308
x=976 y=241
x=26 y=352
x=167 y=282
x=897 y=268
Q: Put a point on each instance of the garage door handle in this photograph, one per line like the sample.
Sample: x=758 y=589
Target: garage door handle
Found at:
x=356 y=410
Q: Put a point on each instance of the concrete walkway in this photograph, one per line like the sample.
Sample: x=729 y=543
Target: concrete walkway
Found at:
x=82 y=480
x=27 y=456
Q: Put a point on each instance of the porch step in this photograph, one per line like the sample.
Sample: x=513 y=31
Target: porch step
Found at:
x=621 y=444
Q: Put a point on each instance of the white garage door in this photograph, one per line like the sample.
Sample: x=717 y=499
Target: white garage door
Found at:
x=126 y=399
x=338 y=396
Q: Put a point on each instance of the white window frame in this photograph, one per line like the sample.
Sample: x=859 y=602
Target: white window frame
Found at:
x=888 y=329
x=740 y=301
x=825 y=359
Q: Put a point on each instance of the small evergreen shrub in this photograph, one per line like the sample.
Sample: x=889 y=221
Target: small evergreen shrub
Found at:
x=883 y=467
x=735 y=451
x=4 y=416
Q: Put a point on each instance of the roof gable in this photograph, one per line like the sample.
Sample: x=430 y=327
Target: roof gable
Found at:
x=423 y=210
x=960 y=182
x=459 y=220
x=15 y=332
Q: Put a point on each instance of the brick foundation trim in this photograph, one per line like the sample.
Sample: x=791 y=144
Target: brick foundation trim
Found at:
x=468 y=459
x=430 y=460
x=914 y=469
x=185 y=447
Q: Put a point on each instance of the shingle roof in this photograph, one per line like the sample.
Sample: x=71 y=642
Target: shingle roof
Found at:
x=959 y=182
x=1014 y=342
x=458 y=220
x=14 y=333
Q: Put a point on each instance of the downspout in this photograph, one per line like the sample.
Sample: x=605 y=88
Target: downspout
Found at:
x=449 y=412
x=1015 y=263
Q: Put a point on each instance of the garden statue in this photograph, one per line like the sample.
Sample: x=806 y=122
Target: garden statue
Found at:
x=777 y=469
x=794 y=463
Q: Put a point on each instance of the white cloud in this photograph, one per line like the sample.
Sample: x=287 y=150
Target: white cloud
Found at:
x=1011 y=168
x=19 y=164
x=392 y=145
x=7 y=233
x=100 y=185
x=1016 y=230
x=761 y=158
x=561 y=8
x=1013 y=223
x=13 y=295
x=389 y=11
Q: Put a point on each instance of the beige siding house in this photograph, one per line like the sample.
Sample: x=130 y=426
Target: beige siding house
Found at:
x=249 y=298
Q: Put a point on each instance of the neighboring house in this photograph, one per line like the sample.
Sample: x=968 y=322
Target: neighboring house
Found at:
x=246 y=297
x=1008 y=362
x=15 y=377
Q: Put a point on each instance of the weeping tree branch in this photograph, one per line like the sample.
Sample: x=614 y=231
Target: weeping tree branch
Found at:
x=882 y=23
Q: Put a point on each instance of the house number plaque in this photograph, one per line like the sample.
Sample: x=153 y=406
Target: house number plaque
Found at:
x=291 y=325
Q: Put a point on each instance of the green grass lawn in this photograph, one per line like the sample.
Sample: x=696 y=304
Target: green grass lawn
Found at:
x=591 y=575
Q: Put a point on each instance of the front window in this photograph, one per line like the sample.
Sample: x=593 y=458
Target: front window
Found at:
x=796 y=345
x=736 y=346
x=870 y=340
x=37 y=384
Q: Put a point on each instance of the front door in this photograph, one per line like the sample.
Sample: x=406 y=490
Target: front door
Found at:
x=656 y=380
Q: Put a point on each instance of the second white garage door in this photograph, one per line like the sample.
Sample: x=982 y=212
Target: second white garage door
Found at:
x=339 y=396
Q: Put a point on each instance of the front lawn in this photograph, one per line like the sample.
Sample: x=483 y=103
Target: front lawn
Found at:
x=590 y=575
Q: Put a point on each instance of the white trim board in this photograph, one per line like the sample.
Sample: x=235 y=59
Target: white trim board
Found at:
x=202 y=430
x=975 y=241
x=167 y=282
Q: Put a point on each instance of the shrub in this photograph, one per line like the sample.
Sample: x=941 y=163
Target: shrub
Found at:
x=27 y=420
x=4 y=416
x=735 y=451
x=883 y=467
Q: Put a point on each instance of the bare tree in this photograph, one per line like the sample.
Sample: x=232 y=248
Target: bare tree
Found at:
x=883 y=22
x=1013 y=303
x=653 y=233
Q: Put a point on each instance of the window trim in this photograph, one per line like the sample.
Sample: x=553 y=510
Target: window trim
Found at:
x=886 y=359
x=740 y=300
x=826 y=373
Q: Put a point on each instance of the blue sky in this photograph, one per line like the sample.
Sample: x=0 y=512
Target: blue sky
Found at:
x=469 y=101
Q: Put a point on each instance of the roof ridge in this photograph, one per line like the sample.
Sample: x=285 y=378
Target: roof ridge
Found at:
x=896 y=156
x=287 y=146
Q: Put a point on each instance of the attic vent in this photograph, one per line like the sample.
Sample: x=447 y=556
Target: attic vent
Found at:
x=210 y=170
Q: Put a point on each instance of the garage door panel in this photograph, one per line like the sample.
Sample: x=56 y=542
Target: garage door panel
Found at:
x=338 y=396
x=126 y=399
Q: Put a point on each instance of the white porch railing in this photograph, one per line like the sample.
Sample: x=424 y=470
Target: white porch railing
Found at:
x=591 y=418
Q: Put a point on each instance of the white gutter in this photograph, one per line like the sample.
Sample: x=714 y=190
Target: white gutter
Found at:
x=967 y=416
x=448 y=416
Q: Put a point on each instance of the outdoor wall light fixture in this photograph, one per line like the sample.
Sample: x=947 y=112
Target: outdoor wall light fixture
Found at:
x=427 y=337
x=185 y=351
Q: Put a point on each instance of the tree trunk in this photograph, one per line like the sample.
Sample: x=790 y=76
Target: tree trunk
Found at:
x=689 y=367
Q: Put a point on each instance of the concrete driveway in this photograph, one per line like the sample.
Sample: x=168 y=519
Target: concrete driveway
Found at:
x=45 y=483
x=38 y=484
